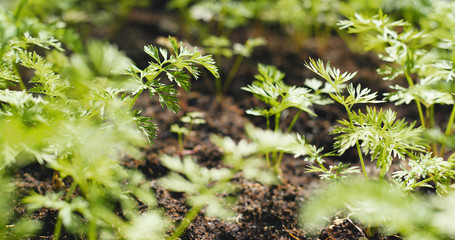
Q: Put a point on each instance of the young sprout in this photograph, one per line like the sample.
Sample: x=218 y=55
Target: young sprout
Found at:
x=270 y=88
x=221 y=47
x=191 y=119
x=205 y=189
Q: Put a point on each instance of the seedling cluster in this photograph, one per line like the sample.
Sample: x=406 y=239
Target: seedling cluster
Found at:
x=69 y=106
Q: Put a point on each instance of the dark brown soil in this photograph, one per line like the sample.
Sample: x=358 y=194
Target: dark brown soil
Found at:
x=263 y=212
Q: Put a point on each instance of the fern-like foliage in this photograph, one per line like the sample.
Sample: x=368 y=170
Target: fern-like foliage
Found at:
x=385 y=32
x=378 y=204
x=426 y=169
x=205 y=187
x=381 y=135
x=422 y=57
x=175 y=66
x=338 y=81
x=331 y=75
x=147 y=126
x=427 y=95
x=270 y=88
x=47 y=81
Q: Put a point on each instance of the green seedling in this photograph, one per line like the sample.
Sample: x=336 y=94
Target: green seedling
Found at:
x=175 y=66
x=302 y=20
x=425 y=61
x=270 y=88
x=422 y=58
x=212 y=190
x=221 y=47
x=75 y=116
x=385 y=209
x=212 y=22
x=207 y=189
x=212 y=17
x=377 y=133
x=249 y=153
x=11 y=227
x=191 y=118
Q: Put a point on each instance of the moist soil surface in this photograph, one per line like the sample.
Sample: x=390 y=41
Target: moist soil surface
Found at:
x=263 y=212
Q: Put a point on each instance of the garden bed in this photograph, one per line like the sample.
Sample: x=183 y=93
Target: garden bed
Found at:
x=262 y=211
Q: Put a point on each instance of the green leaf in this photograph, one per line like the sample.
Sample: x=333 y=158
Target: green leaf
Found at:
x=167 y=96
x=425 y=94
x=153 y=52
x=380 y=135
x=149 y=226
x=48 y=82
x=7 y=76
x=146 y=126
x=331 y=75
x=360 y=95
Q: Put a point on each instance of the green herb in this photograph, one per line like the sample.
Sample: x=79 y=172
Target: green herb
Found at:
x=418 y=56
x=192 y=118
x=79 y=122
x=221 y=46
x=270 y=88
x=174 y=66
x=425 y=60
x=204 y=188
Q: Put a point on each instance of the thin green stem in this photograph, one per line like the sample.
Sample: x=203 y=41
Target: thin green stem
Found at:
x=58 y=229
x=296 y=116
x=59 y=224
x=180 y=141
x=277 y=127
x=277 y=170
x=189 y=218
x=142 y=90
x=267 y=157
x=448 y=129
x=232 y=73
x=19 y=9
x=294 y=120
x=382 y=172
x=280 y=158
x=450 y=123
x=92 y=228
x=21 y=82
x=422 y=182
x=135 y=98
x=361 y=160
x=322 y=166
x=277 y=121
x=419 y=107
x=359 y=150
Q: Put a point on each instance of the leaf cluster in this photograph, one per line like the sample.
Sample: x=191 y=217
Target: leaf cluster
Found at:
x=380 y=205
x=381 y=136
x=270 y=88
x=191 y=119
x=426 y=169
x=175 y=67
x=424 y=58
x=74 y=115
x=209 y=188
